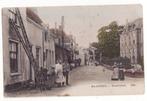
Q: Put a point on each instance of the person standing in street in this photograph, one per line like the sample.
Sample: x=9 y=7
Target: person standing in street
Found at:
x=66 y=69
x=121 y=72
x=115 y=75
x=51 y=76
x=59 y=74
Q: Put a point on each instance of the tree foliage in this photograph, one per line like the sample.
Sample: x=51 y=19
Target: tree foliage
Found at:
x=108 y=37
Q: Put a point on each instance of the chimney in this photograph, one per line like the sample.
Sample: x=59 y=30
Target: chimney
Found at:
x=62 y=22
x=55 y=27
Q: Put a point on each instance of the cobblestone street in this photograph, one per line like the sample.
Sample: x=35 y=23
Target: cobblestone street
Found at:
x=89 y=80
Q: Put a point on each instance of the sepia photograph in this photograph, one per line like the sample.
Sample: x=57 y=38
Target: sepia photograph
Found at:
x=73 y=50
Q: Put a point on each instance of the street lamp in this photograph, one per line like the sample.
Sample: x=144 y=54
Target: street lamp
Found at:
x=62 y=36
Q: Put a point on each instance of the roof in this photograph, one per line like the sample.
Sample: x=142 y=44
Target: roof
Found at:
x=138 y=23
x=33 y=16
x=57 y=32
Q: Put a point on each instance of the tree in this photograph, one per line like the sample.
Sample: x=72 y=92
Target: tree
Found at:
x=108 y=37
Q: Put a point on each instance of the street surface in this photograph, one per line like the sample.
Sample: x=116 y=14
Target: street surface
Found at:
x=90 y=80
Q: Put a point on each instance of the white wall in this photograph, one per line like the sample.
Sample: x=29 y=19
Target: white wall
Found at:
x=50 y=45
x=128 y=48
x=34 y=32
x=23 y=62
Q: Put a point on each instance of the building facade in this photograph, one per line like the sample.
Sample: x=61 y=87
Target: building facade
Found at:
x=35 y=34
x=63 y=46
x=81 y=55
x=131 y=41
x=16 y=62
x=48 y=48
x=92 y=53
x=17 y=66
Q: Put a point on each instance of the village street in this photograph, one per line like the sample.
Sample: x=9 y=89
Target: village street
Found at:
x=42 y=44
x=89 y=80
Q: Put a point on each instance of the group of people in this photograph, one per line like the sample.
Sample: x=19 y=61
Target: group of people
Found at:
x=55 y=76
x=62 y=73
x=118 y=71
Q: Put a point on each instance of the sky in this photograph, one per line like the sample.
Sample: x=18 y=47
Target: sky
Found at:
x=83 y=22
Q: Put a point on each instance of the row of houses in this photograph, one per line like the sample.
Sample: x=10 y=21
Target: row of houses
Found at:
x=131 y=41
x=47 y=45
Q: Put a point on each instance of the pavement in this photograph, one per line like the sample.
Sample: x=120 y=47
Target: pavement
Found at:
x=89 y=81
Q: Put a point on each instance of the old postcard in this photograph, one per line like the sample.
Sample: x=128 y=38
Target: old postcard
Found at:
x=73 y=50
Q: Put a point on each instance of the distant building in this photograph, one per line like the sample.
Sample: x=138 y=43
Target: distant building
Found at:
x=92 y=53
x=82 y=54
x=63 y=45
x=131 y=41
x=86 y=56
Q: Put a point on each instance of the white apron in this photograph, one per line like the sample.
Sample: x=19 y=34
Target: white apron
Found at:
x=59 y=73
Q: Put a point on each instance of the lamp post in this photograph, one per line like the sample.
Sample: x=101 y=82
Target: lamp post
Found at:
x=62 y=28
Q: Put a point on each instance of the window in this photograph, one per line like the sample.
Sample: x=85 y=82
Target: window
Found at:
x=37 y=55
x=133 y=58
x=59 y=41
x=50 y=57
x=53 y=57
x=46 y=53
x=133 y=26
x=13 y=57
x=46 y=36
x=133 y=41
x=138 y=31
x=46 y=57
x=129 y=27
x=138 y=35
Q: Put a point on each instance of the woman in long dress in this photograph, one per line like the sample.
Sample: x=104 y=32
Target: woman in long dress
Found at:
x=115 y=75
x=60 y=80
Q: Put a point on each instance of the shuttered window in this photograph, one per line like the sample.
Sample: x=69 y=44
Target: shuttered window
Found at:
x=13 y=56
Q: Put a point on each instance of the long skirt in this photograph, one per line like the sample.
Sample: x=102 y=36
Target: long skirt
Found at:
x=60 y=78
x=121 y=75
